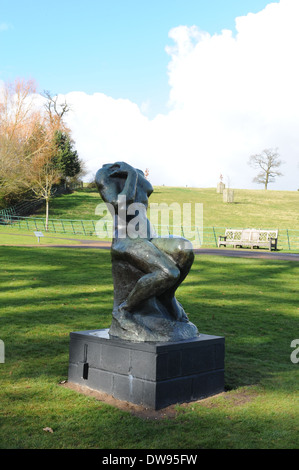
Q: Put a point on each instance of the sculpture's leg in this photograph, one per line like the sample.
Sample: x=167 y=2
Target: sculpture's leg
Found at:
x=181 y=251
x=160 y=271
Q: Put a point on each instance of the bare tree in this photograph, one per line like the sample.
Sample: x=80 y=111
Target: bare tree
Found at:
x=18 y=119
x=268 y=162
x=55 y=109
x=30 y=161
x=44 y=170
x=43 y=174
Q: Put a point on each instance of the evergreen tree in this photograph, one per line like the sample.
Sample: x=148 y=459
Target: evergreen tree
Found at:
x=67 y=158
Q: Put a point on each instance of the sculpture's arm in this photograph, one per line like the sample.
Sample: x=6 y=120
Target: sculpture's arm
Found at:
x=131 y=175
x=107 y=188
x=110 y=180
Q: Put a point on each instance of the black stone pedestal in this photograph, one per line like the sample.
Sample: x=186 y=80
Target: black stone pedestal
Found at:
x=154 y=375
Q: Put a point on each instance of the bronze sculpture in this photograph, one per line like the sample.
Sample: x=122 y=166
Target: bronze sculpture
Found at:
x=147 y=270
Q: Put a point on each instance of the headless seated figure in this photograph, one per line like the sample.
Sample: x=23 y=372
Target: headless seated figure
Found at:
x=146 y=270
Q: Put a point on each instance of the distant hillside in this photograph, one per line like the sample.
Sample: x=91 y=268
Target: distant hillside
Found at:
x=251 y=208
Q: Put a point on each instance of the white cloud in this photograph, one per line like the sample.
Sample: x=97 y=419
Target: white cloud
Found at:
x=106 y=130
x=231 y=95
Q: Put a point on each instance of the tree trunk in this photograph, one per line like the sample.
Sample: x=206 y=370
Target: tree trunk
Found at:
x=266 y=180
x=47 y=214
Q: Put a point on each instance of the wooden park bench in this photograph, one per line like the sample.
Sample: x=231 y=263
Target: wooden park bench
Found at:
x=250 y=238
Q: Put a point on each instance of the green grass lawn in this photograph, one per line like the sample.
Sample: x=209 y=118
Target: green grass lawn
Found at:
x=47 y=293
x=12 y=235
x=73 y=215
x=252 y=208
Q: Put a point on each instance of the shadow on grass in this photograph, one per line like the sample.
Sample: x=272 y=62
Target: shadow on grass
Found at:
x=48 y=293
x=254 y=305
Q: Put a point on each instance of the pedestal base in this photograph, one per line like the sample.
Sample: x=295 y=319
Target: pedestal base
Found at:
x=154 y=375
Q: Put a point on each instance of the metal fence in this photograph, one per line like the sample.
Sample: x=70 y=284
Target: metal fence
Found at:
x=288 y=239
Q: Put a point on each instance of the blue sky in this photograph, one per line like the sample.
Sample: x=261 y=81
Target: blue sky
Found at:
x=187 y=88
x=116 y=47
